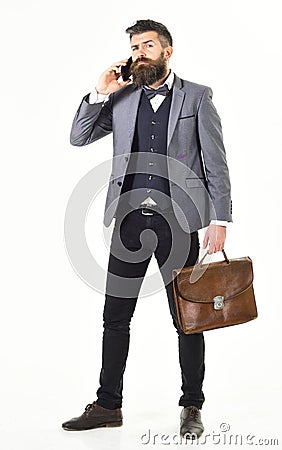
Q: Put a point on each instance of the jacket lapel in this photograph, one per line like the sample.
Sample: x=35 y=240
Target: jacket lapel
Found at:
x=176 y=104
x=132 y=112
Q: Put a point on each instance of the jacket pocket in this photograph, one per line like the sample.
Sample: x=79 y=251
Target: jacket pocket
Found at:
x=186 y=117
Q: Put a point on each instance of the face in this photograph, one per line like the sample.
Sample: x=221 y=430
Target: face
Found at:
x=150 y=59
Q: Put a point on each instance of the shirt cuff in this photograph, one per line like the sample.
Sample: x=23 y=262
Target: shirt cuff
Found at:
x=222 y=223
x=94 y=97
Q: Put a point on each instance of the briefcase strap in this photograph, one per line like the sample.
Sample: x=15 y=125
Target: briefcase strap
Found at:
x=224 y=254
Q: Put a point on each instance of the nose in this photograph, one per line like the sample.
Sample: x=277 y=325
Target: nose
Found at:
x=140 y=53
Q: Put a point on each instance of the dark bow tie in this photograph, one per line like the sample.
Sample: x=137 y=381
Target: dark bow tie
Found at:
x=162 y=90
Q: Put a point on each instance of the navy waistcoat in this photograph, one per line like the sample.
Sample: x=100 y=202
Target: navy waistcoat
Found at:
x=147 y=175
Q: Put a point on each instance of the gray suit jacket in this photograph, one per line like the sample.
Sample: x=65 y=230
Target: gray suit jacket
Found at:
x=197 y=167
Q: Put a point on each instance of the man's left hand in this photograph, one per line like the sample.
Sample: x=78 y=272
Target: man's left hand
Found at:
x=215 y=236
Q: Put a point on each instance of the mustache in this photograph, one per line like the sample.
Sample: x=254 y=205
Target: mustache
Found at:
x=142 y=59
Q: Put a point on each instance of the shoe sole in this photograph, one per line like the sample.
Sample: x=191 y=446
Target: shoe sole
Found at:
x=107 y=425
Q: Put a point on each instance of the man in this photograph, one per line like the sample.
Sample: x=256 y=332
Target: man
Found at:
x=169 y=179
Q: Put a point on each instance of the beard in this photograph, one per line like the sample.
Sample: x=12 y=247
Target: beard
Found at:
x=150 y=72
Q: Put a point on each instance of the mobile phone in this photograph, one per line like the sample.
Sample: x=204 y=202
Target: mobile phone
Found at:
x=125 y=70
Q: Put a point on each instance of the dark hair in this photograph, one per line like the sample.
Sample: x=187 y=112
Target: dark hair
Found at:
x=141 y=26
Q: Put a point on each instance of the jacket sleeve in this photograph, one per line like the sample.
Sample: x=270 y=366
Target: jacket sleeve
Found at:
x=91 y=122
x=214 y=157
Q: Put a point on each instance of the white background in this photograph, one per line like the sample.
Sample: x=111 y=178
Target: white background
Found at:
x=51 y=322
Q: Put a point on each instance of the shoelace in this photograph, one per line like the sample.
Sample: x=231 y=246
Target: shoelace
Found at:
x=193 y=413
x=89 y=407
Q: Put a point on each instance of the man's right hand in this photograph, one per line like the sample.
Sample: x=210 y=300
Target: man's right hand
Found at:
x=108 y=81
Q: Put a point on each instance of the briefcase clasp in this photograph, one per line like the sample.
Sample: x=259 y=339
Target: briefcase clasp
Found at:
x=218 y=302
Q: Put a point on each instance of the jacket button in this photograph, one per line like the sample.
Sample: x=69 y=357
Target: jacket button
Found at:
x=119 y=183
x=126 y=158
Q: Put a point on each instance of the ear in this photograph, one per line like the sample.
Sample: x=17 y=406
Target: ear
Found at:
x=168 y=52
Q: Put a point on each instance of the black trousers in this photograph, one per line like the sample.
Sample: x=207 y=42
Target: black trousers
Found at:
x=131 y=250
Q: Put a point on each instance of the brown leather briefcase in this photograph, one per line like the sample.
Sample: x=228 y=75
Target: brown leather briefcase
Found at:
x=215 y=295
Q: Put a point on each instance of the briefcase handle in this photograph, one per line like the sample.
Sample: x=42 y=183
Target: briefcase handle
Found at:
x=224 y=254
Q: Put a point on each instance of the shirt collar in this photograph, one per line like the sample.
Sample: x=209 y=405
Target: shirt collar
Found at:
x=170 y=79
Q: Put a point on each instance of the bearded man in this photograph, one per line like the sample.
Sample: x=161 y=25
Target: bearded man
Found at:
x=169 y=179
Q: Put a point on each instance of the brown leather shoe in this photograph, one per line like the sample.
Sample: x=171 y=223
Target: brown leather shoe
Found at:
x=190 y=422
x=94 y=416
